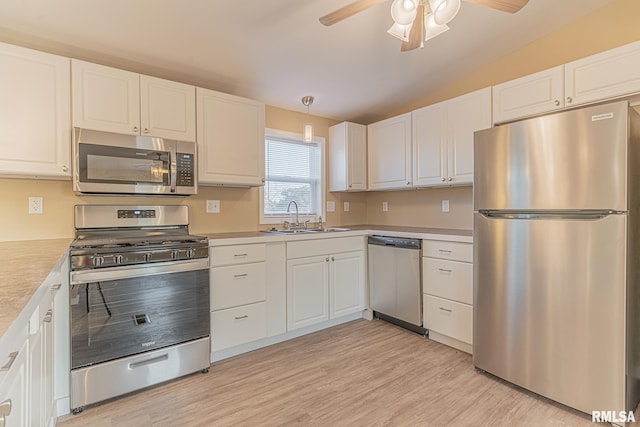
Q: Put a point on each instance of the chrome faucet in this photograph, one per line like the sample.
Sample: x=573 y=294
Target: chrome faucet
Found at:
x=296 y=205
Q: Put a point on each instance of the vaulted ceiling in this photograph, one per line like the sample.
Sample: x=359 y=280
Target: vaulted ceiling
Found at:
x=276 y=51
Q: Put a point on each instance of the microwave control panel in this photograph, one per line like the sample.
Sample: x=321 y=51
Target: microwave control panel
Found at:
x=185 y=169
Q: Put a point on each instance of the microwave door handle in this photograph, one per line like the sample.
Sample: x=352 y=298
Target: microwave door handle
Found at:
x=173 y=169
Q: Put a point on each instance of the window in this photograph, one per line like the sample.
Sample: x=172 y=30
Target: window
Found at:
x=293 y=172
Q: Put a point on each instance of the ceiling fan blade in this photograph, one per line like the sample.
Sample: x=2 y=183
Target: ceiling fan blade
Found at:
x=347 y=11
x=416 y=34
x=509 y=6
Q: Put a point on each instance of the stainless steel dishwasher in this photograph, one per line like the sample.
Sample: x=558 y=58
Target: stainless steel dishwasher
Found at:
x=394 y=279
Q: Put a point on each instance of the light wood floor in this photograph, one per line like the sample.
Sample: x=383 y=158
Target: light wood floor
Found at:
x=363 y=373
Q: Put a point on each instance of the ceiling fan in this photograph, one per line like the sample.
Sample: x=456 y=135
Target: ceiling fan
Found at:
x=416 y=21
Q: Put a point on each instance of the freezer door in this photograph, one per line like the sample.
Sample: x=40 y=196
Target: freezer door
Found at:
x=549 y=298
x=566 y=161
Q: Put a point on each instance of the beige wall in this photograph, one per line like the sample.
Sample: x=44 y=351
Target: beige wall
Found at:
x=611 y=26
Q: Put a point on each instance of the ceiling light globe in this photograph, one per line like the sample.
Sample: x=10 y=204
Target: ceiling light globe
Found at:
x=444 y=10
x=403 y=12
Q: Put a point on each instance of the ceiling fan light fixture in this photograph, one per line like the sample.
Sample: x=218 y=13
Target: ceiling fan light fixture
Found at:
x=403 y=12
x=444 y=10
x=400 y=31
x=432 y=28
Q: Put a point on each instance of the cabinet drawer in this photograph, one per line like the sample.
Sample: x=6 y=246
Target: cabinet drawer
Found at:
x=239 y=325
x=236 y=285
x=448 y=279
x=237 y=254
x=315 y=247
x=456 y=251
x=448 y=318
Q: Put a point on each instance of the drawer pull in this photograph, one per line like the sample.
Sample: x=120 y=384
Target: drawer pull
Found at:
x=446 y=309
x=148 y=361
x=238 y=276
x=12 y=358
x=242 y=317
x=56 y=287
x=48 y=316
x=444 y=270
x=444 y=251
x=5 y=408
x=240 y=255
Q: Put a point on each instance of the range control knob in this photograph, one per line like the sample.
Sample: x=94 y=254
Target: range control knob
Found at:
x=191 y=253
x=147 y=257
x=97 y=260
x=174 y=254
x=118 y=259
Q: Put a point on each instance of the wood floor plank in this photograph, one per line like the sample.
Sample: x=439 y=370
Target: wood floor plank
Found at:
x=361 y=373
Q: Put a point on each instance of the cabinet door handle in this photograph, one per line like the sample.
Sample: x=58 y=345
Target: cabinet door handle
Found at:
x=242 y=317
x=56 y=287
x=350 y=185
x=444 y=270
x=333 y=258
x=327 y=259
x=238 y=276
x=557 y=102
x=47 y=317
x=12 y=358
x=446 y=309
x=408 y=182
x=146 y=130
x=450 y=179
x=569 y=100
x=135 y=129
x=65 y=168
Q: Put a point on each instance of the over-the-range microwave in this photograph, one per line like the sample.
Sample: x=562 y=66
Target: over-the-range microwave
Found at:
x=105 y=162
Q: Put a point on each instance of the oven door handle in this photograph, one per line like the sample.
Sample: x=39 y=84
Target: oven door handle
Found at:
x=115 y=273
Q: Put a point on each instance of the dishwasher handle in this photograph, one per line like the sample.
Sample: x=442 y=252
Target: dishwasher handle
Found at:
x=395 y=242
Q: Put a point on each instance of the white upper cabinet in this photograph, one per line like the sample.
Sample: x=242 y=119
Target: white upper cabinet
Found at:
x=443 y=139
x=113 y=100
x=230 y=135
x=604 y=75
x=35 y=122
x=529 y=95
x=348 y=154
x=389 y=153
x=167 y=109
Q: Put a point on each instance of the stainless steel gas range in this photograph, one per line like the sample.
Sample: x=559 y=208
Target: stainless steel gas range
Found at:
x=139 y=300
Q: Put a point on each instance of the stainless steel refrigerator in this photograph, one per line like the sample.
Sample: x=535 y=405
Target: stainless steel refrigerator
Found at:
x=556 y=257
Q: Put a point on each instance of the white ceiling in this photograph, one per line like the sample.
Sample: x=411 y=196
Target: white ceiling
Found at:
x=276 y=51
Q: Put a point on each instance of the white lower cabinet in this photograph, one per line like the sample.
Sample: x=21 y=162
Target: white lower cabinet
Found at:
x=26 y=375
x=325 y=280
x=13 y=388
x=447 y=284
x=247 y=293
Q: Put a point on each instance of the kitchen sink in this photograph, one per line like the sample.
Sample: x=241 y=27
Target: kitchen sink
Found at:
x=306 y=230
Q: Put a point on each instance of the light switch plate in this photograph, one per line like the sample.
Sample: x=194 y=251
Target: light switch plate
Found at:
x=331 y=206
x=445 y=205
x=346 y=206
x=213 y=206
x=385 y=207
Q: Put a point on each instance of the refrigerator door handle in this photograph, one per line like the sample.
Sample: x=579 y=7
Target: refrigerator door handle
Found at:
x=567 y=215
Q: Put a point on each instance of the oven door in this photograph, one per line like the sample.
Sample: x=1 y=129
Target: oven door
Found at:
x=122 y=311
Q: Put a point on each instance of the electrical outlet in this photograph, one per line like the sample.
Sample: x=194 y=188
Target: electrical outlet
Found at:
x=331 y=206
x=35 y=205
x=445 y=205
x=213 y=206
x=346 y=206
x=385 y=207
